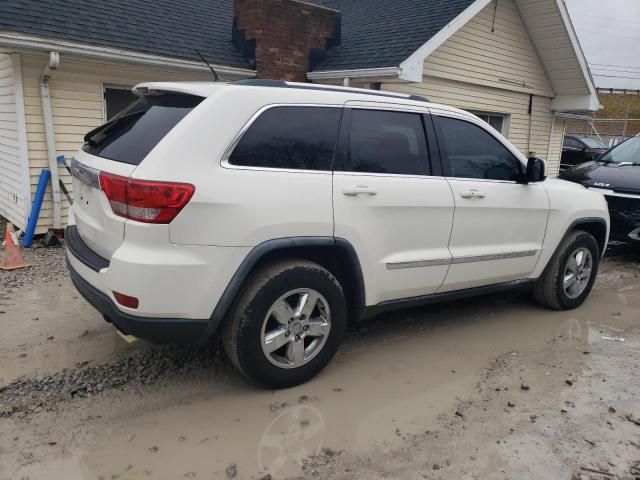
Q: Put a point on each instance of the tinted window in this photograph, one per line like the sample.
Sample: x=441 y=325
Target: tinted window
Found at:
x=387 y=142
x=290 y=137
x=135 y=131
x=475 y=153
x=571 y=143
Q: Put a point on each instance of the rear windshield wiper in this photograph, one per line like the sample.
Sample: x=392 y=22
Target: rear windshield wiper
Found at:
x=103 y=129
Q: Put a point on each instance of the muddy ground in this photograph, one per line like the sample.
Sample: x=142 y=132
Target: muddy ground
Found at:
x=489 y=388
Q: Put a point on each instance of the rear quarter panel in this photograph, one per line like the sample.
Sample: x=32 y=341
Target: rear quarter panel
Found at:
x=236 y=206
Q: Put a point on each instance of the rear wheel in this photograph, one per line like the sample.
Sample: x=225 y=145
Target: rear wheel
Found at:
x=287 y=324
x=570 y=275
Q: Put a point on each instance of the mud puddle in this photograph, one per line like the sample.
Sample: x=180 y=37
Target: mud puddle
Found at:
x=48 y=328
x=392 y=379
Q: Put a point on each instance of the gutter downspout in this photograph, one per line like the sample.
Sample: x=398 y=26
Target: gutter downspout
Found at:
x=47 y=115
x=553 y=127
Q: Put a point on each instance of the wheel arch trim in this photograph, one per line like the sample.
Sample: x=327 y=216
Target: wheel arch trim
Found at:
x=589 y=220
x=575 y=224
x=235 y=285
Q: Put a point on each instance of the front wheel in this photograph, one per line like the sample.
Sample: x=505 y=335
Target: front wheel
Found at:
x=287 y=324
x=570 y=275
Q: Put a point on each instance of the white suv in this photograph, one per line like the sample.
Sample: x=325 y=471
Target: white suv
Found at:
x=276 y=212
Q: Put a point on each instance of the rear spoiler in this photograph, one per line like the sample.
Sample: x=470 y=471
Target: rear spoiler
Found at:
x=186 y=88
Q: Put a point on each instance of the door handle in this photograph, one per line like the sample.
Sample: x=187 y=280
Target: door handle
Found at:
x=359 y=190
x=472 y=194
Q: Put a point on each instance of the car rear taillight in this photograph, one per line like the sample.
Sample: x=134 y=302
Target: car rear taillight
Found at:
x=144 y=200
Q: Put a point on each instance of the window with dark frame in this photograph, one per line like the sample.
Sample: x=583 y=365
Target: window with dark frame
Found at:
x=475 y=153
x=116 y=99
x=290 y=137
x=387 y=142
x=572 y=143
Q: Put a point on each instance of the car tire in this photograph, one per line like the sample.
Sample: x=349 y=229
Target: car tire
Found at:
x=259 y=323
x=557 y=289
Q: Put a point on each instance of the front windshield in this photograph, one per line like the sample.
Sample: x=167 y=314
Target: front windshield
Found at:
x=592 y=142
x=626 y=152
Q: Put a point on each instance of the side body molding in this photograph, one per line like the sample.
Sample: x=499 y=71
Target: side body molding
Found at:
x=290 y=243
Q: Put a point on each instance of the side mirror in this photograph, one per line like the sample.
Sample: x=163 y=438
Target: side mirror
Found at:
x=536 y=170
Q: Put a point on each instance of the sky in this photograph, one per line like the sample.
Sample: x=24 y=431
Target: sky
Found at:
x=609 y=32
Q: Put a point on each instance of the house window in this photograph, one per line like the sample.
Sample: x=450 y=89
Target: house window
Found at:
x=496 y=120
x=116 y=99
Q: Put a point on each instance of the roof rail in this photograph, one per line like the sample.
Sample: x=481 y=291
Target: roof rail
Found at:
x=283 y=84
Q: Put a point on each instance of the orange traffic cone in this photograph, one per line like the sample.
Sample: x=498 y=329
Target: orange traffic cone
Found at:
x=12 y=256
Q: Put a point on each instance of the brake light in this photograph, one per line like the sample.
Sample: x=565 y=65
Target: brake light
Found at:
x=144 y=200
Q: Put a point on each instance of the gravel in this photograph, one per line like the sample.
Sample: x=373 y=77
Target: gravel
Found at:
x=156 y=366
x=46 y=265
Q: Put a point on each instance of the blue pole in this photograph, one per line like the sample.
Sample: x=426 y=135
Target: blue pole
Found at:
x=45 y=175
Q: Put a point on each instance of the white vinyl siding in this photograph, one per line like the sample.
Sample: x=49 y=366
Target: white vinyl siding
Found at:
x=14 y=196
x=555 y=146
x=494 y=72
x=502 y=58
x=77 y=101
x=553 y=43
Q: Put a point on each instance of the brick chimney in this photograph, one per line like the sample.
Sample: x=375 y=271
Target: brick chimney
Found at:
x=284 y=39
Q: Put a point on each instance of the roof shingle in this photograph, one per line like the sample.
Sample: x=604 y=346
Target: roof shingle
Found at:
x=173 y=28
x=380 y=33
x=375 y=33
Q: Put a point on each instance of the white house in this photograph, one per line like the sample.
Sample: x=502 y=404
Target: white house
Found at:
x=515 y=63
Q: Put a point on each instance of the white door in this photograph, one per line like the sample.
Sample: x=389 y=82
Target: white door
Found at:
x=499 y=224
x=386 y=203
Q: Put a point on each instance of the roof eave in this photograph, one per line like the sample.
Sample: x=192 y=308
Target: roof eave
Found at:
x=410 y=69
x=34 y=43
x=593 y=100
x=413 y=66
x=568 y=103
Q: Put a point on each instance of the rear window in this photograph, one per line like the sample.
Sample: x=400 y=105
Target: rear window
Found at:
x=134 y=132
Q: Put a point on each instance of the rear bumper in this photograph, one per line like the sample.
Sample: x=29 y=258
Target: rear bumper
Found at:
x=178 y=286
x=165 y=330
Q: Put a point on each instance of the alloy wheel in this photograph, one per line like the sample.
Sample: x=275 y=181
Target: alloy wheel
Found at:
x=577 y=272
x=295 y=328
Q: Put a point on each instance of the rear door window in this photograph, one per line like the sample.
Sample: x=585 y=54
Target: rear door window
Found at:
x=299 y=138
x=388 y=142
x=134 y=132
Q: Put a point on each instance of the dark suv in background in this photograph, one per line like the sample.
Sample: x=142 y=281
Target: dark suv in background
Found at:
x=617 y=175
x=578 y=149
